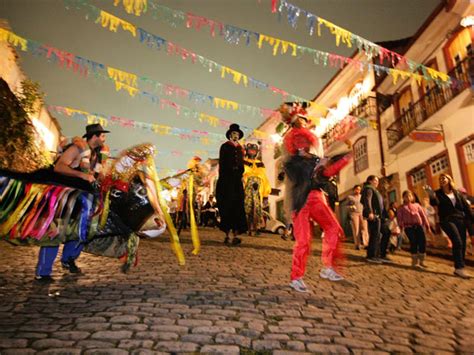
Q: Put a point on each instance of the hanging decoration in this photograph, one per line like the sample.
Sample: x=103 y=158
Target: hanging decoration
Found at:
x=194 y=135
x=157 y=42
x=122 y=81
x=135 y=7
x=14 y=40
x=233 y=34
x=183 y=133
x=349 y=39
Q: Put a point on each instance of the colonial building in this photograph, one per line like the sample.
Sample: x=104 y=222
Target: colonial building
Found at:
x=406 y=132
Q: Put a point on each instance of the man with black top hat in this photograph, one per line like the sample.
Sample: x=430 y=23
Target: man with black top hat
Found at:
x=230 y=190
x=82 y=159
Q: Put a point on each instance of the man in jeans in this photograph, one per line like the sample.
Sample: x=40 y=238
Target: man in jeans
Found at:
x=374 y=213
x=83 y=160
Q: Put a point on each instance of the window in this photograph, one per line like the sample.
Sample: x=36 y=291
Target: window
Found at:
x=469 y=152
x=361 y=158
x=458 y=47
x=439 y=166
x=419 y=176
x=428 y=174
x=404 y=101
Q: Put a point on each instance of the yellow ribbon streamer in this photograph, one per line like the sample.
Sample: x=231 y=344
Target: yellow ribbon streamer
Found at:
x=21 y=209
x=194 y=231
x=112 y=23
x=133 y=6
x=175 y=245
x=13 y=39
x=105 y=211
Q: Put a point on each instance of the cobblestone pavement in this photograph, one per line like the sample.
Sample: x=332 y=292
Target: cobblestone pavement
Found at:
x=231 y=299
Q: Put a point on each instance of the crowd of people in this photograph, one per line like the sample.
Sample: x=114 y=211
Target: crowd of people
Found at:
x=378 y=230
x=311 y=194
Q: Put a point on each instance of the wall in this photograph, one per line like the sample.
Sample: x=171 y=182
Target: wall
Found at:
x=11 y=72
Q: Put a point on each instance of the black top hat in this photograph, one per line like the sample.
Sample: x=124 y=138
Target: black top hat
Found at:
x=95 y=128
x=234 y=127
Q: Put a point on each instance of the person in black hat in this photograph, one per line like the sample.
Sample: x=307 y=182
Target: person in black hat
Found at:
x=230 y=189
x=81 y=159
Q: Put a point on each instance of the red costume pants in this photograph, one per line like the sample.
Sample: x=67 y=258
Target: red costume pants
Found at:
x=318 y=210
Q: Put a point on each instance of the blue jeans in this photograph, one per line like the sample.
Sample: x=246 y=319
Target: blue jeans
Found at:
x=47 y=255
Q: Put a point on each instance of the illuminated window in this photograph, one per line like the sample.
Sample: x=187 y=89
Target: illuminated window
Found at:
x=361 y=157
x=458 y=47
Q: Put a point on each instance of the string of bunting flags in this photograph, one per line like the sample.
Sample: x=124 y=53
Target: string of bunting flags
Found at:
x=124 y=80
x=113 y=23
x=371 y=49
x=233 y=34
x=193 y=135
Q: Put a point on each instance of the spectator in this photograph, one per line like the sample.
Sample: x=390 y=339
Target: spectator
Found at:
x=455 y=218
x=173 y=207
x=358 y=223
x=395 y=232
x=209 y=213
x=411 y=218
x=374 y=213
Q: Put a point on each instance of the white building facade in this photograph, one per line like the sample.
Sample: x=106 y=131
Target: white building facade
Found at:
x=379 y=117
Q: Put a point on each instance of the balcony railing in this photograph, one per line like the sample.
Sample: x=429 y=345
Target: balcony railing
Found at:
x=366 y=108
x=430 y=103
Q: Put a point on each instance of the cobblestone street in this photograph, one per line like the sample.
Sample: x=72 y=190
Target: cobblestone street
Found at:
x=231 y=299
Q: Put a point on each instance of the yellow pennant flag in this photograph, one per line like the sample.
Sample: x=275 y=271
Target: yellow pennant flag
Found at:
x=112 y=23
x=340 y=33
x=122 y=76
x=13 y=39
x=135 y=7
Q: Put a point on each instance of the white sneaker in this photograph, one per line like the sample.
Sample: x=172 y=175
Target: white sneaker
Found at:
x=330 y=274
x=462 y=273
x=298 y=285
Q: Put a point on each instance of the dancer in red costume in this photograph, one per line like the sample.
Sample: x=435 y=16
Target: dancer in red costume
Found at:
x=307 y=175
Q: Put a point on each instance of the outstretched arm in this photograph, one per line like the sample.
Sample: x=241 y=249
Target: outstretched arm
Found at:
x=333 y=168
